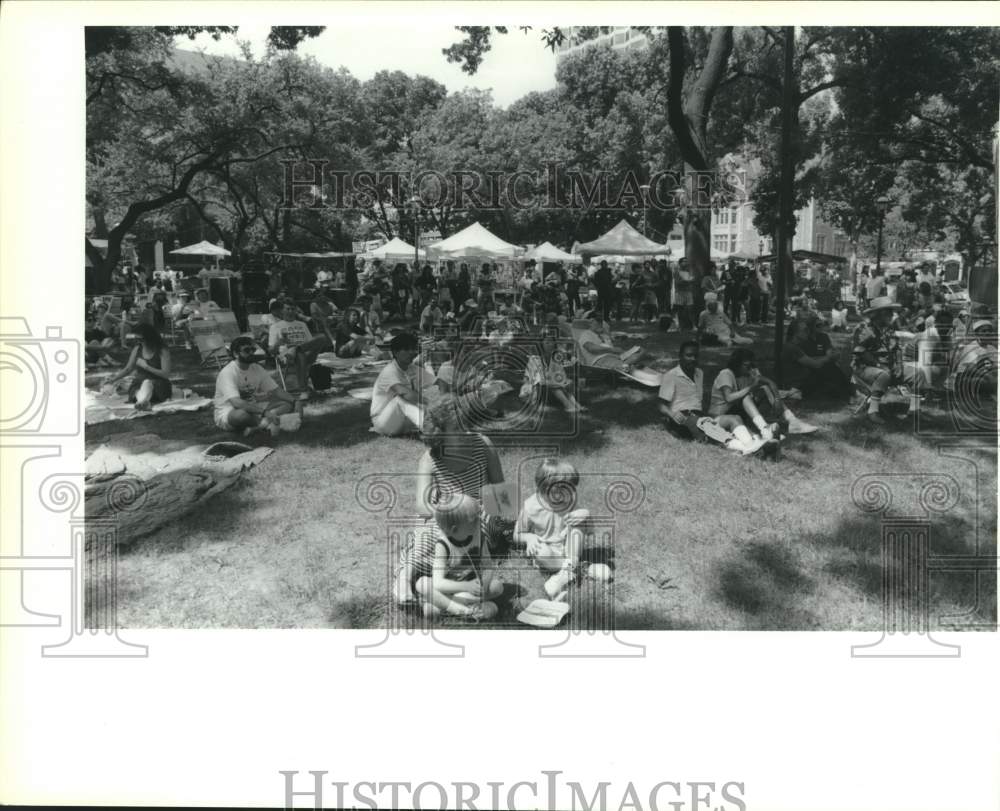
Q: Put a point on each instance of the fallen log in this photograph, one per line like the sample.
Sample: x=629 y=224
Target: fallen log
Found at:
x=145 y=486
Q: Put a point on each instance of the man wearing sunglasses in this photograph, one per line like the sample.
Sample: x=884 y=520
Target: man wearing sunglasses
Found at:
x=246 y=397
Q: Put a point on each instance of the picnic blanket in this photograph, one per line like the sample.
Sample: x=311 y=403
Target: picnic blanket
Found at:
x=146 y=486
x=100 y=407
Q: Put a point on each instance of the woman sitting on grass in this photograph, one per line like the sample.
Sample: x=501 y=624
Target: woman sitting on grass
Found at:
x=457 y=461
x=545 y=375
x=741 y=389
x=350 y=340
x=150 y=361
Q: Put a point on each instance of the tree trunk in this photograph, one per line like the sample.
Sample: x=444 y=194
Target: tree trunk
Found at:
x=689 y=123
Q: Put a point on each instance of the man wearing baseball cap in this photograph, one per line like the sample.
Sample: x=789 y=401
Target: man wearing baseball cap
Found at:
x=878 y=360
x=714 y=326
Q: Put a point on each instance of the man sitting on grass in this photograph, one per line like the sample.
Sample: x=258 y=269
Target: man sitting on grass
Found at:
x=246 y=397
x=291 y=338
x=396 y=405
x=878 y=361
x=714 y=326
x=681 y=395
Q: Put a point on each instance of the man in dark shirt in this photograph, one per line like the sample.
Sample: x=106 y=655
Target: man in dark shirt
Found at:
x=605 y=284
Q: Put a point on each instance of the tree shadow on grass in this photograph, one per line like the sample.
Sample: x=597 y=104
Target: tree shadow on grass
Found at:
x=857 y=559
x=764 y=582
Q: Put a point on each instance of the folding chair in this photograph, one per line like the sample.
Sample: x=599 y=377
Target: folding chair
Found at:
x=212 y=348
x=209 y=341
x=864 y=392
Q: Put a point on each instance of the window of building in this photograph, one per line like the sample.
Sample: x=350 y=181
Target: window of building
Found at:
x=720 y=241
x=732 y=243
x=821 y=243
x=722 y=216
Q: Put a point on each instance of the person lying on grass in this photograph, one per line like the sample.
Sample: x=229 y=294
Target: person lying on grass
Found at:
x=246 y=397
x=714 y=326
x=448 y=566
x=150 y=363
x=740 y=389
x=595 y=346
x=681 y=394
x=551 y=529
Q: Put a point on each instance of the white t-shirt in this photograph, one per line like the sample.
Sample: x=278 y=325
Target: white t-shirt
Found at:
x=291 y=333
x=391 y=375
x=246 y=384
x=717 y=405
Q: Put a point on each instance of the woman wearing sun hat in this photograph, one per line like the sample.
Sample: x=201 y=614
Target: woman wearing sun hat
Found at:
x=878 y=359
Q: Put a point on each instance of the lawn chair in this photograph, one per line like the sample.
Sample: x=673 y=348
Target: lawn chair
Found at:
x=173 y=335
x=211 y=345
x=258 y=327
x=864 y=393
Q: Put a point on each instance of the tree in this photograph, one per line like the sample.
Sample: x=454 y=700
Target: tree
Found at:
x=152 y=129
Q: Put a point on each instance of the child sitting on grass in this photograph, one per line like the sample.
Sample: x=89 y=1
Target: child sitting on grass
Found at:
x=552 y=531
x=449 y=564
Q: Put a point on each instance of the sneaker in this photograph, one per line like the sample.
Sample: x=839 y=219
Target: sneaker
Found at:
x=558 y=582
x=752 y=447
x=770 y=432
x=797 y=426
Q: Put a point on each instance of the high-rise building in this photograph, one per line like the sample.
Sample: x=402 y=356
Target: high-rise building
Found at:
x=619 y=37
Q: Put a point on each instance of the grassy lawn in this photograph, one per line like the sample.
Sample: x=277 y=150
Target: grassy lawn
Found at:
x=718 y=542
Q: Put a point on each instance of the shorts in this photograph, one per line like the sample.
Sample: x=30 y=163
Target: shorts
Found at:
x=222 y=418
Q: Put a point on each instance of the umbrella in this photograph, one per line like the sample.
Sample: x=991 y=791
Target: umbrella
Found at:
x=203 y=248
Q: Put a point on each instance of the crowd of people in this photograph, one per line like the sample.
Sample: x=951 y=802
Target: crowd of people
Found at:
x=473 y=330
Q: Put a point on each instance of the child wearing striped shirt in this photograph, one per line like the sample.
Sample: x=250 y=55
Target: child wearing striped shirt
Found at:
x=448 y=566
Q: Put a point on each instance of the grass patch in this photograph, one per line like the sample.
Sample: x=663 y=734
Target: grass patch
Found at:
x=716 y=543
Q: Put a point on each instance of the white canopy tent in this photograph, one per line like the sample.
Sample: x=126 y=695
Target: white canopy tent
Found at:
x=547 y=252
x=622 y=240
x=474 y=241
x=203 y=248
x=396 y=249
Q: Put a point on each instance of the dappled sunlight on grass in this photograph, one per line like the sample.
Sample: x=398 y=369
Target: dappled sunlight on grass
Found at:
x=719 y=542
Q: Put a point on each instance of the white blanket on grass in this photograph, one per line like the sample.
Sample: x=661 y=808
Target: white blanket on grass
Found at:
x=104 y=408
